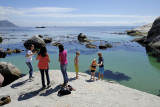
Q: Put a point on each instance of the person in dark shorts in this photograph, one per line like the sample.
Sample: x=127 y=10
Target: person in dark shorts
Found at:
x=101 y=66
x=93 y=68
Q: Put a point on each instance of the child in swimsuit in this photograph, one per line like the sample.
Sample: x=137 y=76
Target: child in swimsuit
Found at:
x=76 y=62
x=93 y=68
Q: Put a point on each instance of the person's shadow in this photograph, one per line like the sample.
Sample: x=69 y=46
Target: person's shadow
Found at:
x=110 y=75
x=29 y=95
x=19 y=84
x=50 y=91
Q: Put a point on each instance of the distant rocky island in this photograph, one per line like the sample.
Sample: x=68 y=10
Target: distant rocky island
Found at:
x=40 y=27
x=6 y=23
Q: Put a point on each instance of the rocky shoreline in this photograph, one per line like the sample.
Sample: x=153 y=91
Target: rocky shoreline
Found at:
x=152 y=40
x=88 y=93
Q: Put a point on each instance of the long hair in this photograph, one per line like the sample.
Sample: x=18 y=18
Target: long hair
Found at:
x=61 y=48
x=43 y=51
x=29 y=47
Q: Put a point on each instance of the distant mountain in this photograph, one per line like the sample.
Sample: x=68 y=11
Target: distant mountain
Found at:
x=6 y=23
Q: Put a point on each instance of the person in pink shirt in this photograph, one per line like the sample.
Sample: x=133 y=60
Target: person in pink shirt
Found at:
x=63 y=63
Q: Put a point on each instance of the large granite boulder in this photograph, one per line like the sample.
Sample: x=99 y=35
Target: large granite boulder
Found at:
x=1 y=80
x=83 y=38
x=47 y=40
x=1 y=39
x=35 y=40
x=9 y=72
x=153 y=37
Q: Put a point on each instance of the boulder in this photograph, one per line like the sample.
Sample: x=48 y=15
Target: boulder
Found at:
x=1 y=39
x=83 y=38
x=1 y=80
x=141 y=41
x=154 y=33
x=91 y=46
x=35 y=40
x=134 y=33
x=105 y=46
x=56 y=44
x=140 y=31
x=9 y=72
x=10 y=51
x=40 y=36
x=47 y=40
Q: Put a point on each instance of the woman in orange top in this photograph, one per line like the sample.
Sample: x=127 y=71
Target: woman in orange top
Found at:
x=43 y=65
x=93 y=68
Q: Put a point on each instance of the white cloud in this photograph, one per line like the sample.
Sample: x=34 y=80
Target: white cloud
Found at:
x=45 y=10
x=36 y=10
x=60 y=14
x=82 y=23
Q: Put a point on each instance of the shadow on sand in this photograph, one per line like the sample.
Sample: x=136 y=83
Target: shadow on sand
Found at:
x=29 y=95
x=19 y=84
x=50 y=91
x=110 y=75
x=71 y=79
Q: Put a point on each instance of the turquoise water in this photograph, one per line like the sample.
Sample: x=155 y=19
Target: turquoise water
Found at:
x=126 y=63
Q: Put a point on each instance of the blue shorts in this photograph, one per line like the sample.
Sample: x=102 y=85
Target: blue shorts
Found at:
x=101 y=70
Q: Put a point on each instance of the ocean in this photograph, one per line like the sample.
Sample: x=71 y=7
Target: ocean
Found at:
x=126 y=63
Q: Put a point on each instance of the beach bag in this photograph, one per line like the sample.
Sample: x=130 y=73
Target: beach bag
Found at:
x=64 y=91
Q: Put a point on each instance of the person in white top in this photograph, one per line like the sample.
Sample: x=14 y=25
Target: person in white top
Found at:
x=29 y=60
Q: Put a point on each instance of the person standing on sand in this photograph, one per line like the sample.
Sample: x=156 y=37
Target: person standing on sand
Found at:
x=93 y=68
x=29 y=56
x=76 y=62
x=63 y=63
x=101 y=66
x=43 y=65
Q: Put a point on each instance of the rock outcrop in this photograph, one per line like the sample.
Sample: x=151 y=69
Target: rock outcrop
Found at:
x=152 y=41
x=105 y=46
x=153 y=37
x=56 y=44
x=9 y=72
x=35 y=40
x=83 y=38
x=140 y=31
x=107 y=93
x=91 y=46
x=1 y=80
x=1 y=39
x=10 y=51
x=47 y=40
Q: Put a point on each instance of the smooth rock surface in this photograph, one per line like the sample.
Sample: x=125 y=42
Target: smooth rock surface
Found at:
x=35 y=40
x=88 y=94
x=9 y=72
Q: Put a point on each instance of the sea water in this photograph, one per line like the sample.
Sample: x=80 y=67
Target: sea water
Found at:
x=126 y=62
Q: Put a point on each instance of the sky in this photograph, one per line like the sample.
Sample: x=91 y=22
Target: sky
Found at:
x=30 y=13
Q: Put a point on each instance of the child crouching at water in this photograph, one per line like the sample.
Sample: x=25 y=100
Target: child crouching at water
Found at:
x=76 y=62
x=93 y=68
